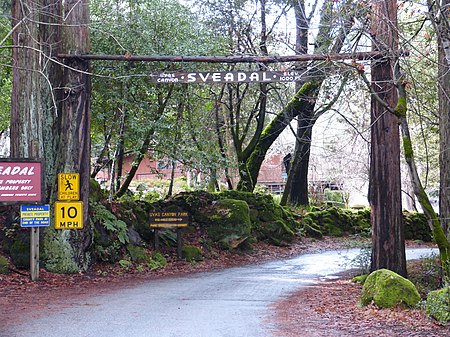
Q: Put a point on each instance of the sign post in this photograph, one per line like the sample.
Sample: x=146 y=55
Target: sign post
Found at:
x=178 y=220
x=34 y=216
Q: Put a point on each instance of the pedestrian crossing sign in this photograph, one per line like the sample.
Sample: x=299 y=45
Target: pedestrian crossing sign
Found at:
x=68 y=186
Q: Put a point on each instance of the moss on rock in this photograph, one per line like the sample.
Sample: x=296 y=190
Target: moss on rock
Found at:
x=229 y=220
x=192 y=253
x=388 y=289
x=438 y=305
x=20 y=253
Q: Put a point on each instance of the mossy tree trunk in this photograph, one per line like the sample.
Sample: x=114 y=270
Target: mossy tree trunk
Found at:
x=50 y=110
x=434 y=222
x=305 y=98
x=388 y=244
x=73 y=152
x=327 y=41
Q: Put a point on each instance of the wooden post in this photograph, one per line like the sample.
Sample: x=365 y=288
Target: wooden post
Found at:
x=34 y=236
x=34 y=254
x=156 y=238
x=179 y=243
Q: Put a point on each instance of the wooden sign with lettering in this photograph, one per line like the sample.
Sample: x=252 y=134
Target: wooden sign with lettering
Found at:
x=169 y=219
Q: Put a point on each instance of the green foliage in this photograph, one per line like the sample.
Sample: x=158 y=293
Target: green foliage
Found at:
x=138 y=254
x=125 y=264
x=157 y=261
x=5 y=73
x=388 y=289
x=4 y=265
x=101 y=215
x=438 y=305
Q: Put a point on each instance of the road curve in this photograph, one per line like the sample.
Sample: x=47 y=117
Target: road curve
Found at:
x=230 y=303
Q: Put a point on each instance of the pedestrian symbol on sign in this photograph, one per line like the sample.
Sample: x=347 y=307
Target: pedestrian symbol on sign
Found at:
x=68 y=185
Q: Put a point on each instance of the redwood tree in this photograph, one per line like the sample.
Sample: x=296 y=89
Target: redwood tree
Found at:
x=50 y=117
x=388 y=245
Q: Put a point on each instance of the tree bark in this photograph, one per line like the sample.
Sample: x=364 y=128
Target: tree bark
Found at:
x=444 y=116
x=74 y=136
x=388 y=245
x=35 y=101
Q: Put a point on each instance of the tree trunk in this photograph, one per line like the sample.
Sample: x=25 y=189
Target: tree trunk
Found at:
x=444 y=118
x=296 y=189
x=74 y=141
x=35 y=97
x=304 y=99
x=388 y=245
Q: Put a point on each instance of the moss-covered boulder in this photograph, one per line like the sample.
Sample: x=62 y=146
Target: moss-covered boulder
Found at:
x=270 y=221
x=438 y=305
x=387 y=289
x=192 y=253
x=4 y=265
x=20 y=253
x=229 y=221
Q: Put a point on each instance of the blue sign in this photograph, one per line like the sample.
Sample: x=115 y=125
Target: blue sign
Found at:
x=34 y=215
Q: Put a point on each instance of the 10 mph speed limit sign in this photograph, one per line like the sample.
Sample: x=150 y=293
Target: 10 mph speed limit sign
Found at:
x=69 y=215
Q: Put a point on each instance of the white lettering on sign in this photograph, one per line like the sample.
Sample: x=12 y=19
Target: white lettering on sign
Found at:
x=13 y=170
x=226 y=77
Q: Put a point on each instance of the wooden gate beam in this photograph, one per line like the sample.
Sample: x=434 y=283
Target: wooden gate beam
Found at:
x=234 y=59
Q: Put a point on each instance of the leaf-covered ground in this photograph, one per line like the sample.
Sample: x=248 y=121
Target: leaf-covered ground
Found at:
x=327 y=309
x=331 y=309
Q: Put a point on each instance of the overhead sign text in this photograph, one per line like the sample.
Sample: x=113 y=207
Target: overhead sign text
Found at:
x=226 y=77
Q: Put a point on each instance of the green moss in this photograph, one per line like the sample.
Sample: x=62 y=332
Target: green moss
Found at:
x=96 y=193
x=4 y=265
x=138 y=254
x=401 y=107
x=59 y=254
x=192 y=253
x=388 y=289
x=360 y=279
x=20 y=254
x=229 y=220
x=407 y=147
x=438 y=305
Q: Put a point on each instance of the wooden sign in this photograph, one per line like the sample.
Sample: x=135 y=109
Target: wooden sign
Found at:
x=169 y=219
x=20 y=181
x=226 y=77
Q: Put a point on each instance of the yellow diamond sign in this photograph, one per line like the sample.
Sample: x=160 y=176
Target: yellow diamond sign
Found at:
x=68 y=186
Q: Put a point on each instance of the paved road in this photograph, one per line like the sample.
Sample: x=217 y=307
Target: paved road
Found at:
x=234 y=302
